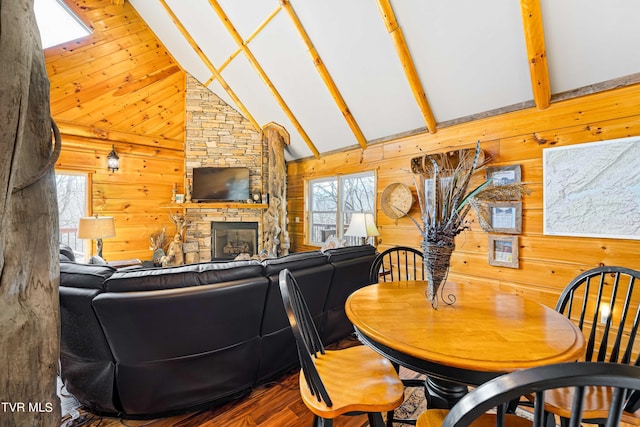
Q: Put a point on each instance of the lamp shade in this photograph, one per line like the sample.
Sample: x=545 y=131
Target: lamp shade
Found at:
x=93 y=227
x=362 y=225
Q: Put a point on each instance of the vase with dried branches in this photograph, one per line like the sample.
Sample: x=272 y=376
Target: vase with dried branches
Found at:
x=442 y=182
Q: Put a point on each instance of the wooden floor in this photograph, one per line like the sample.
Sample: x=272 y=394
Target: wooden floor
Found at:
x=276 y=404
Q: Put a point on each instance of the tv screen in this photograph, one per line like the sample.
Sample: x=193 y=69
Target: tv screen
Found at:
x=220 y=184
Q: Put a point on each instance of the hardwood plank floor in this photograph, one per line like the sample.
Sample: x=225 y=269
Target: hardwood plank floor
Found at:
x=275 y=404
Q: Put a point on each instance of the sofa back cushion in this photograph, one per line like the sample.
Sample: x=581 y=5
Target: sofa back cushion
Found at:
x=150 y=326
x=88 y=276
x=152 y=279
x=293 y=262
x=218 y=272
x=349 y=252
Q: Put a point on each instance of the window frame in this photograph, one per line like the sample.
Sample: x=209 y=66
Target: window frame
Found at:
x=341 y=213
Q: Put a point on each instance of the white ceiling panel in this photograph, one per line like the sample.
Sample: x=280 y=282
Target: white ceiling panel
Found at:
x=470 y=55
x=160 y=23
x=590 y=41
x=205 y=29
x=352 y=40
x=257 y=98
x=291 y=70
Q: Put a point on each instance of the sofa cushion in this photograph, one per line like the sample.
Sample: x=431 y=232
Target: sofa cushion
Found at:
x=293 y=262
x=87 y=276
x=216 y=272
x=150 y=279
x=66 y=253
x=349 y=252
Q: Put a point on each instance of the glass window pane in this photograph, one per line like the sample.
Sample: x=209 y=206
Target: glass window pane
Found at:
x=332 y=201
x=72 y=203
x=324 y=209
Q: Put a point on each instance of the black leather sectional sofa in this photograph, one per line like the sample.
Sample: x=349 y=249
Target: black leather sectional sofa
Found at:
x=139 y=343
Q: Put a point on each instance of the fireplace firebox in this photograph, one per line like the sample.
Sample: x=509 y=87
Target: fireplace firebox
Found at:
x=230 y=239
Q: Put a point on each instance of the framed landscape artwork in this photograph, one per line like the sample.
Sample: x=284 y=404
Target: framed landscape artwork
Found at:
x=593 y=189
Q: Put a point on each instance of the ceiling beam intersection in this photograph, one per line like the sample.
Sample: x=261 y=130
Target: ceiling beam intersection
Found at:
x=325 y=75
x=536 y=52
x=251 y=37
x=209 y=65
x=389 y=18
x=265 y=78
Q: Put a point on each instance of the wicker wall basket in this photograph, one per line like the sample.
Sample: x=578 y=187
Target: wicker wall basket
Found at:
x=396 y=200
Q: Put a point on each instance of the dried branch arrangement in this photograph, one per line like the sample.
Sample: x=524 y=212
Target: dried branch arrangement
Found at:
x=158 y=240
x=442 y=183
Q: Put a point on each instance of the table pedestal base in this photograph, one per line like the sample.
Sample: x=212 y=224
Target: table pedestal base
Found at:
x=443 y=394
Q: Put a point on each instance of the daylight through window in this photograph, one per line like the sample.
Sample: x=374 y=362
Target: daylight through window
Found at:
x=57 y=23
x=332 y=201
x=72 y=205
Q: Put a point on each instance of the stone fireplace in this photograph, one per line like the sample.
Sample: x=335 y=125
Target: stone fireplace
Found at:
x=217 y=135
x=230 y=239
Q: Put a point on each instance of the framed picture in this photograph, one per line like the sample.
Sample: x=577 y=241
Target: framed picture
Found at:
x=505 y=217
x=503 y=250
x=179 y=198
x=502 y=175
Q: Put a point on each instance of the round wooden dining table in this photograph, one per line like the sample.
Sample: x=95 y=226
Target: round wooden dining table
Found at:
x=483 y=334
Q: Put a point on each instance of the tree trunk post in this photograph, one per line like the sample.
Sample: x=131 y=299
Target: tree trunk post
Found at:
x=29 y=266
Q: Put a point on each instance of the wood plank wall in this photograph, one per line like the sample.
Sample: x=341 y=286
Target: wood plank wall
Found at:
x=120 y=87
x=546 y=263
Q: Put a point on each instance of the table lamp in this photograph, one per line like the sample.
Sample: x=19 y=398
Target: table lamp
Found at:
x=98 y=228
x=362 y=225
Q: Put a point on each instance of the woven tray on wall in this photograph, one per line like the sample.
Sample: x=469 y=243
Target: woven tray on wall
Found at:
x=396 y=200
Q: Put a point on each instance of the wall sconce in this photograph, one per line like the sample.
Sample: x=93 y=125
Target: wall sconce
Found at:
x=113 y=161
x=362 y=225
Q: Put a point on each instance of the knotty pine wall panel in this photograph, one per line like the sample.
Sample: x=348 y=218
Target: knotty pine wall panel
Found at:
x=547 y=263
x=120 y=87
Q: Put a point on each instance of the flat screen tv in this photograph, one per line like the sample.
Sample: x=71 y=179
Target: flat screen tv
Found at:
x=215 y=184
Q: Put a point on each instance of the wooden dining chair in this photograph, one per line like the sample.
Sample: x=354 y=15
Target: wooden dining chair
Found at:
x=397 y=264
x=603 y=302
x=487 y=405
x=394 y=265
x=349 y=381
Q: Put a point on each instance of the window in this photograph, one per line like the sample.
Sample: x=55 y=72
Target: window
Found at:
x=332 y=200
x=57 y=23
x=72 y=205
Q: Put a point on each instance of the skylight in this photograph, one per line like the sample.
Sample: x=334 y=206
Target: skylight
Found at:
x=57 y=23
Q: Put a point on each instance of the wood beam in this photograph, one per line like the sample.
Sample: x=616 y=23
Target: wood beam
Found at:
x=108 y=135
x=251 y=37
x=406 y=60
x=325 y=75
x=209 y=65
x=536 y=52
x=263 y=75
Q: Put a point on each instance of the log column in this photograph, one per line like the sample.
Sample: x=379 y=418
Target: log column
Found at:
x=274 y=221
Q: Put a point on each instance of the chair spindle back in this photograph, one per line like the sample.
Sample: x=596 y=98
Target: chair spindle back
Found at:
x=603 y=304
x=306 y=335
x=397 y=264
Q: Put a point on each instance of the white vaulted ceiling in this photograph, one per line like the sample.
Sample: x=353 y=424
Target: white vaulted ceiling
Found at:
x=471 y=59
